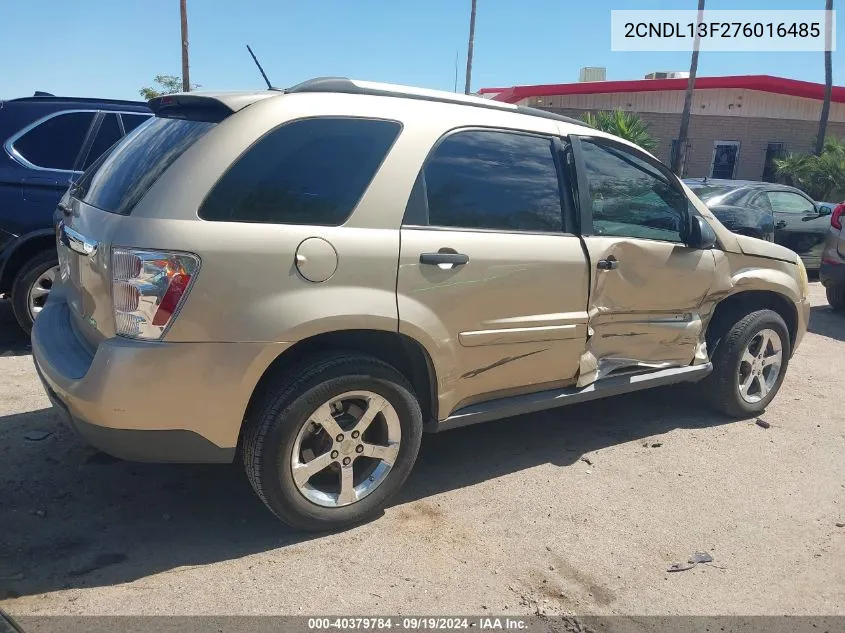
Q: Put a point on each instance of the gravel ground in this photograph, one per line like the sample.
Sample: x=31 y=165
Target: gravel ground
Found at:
x=578 y=511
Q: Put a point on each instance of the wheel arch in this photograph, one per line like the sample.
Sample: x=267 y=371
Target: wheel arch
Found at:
x=407 y=355
x=21 y=251
x=735 y=306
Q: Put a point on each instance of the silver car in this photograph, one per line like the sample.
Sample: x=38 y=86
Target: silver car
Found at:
x=832 y=272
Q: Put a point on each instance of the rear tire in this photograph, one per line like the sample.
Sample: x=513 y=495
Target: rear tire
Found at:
x=740 y=360
x=288 y=415
x=836 y=297
x=33 y=272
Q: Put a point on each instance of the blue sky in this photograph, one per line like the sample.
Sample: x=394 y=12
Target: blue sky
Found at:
x=110 y=48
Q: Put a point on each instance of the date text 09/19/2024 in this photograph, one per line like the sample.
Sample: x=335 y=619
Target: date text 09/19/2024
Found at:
x=722 y=29
x=417 y=623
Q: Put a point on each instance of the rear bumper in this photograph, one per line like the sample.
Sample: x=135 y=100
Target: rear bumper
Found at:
x=143 y=401
x=832 y=274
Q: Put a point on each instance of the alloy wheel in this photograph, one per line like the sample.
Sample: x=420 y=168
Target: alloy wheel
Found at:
x=39 y=291
x=760 y=366
x=346 y=448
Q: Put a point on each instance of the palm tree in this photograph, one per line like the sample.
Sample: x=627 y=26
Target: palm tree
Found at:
x=469 y=50
x=623 y=124
x=678 y=159
x=183 y=14
x=820 y=176
x=828 y=78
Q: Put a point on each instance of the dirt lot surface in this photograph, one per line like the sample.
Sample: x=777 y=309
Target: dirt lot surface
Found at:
x=581 y=510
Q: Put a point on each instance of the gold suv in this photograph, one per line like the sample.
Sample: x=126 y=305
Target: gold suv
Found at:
x=311 y=278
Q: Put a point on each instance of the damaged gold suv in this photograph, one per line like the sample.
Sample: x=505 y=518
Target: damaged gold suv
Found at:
x=311 y=278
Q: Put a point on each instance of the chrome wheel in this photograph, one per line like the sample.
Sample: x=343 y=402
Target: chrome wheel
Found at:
x=346 y=449
x=760 y=365
x=40 y=290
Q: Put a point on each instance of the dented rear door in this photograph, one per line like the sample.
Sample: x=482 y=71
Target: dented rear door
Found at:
x=490 y=279
x=646 y=285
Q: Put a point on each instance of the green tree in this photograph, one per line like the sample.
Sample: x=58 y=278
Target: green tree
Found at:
x=820 y=176
x=165 y=85
x=623 y=124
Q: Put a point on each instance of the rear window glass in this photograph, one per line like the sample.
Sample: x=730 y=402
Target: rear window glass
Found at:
x=118 y=180
x=710 y=192
x=311 y=171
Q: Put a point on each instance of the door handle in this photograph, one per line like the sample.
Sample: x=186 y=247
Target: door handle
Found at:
x=450 y=257
x=611 y=263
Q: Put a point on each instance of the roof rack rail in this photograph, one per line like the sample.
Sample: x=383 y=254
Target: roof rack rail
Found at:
x=347 y=86
x=44 y=97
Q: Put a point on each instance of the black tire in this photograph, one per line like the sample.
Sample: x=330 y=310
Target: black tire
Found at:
x=28 y=275
x=721 y=387
x=836 y=297
x=272 y=426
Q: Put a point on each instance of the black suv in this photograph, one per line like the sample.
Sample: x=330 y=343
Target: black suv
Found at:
x=777 y=213
x=47 y=142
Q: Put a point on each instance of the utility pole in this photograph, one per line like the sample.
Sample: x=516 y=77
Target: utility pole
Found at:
x=186 y=77
x=471 y=44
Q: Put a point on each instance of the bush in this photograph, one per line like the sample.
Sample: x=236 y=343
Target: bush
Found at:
x=820 y=176
x=623 y=124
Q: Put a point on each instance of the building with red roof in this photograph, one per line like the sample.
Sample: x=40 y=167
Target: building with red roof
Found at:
x=738 y=124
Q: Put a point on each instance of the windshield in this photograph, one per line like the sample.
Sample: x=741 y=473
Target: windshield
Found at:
x=120 y=178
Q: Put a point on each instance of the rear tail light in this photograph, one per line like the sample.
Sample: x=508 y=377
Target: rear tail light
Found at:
x=836 y=216
x=148 y=288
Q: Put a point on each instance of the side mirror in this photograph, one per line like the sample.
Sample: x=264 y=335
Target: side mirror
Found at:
x=823 y=210
x=701 y=234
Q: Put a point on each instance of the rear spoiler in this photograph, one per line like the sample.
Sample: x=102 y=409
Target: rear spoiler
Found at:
x=215 y=106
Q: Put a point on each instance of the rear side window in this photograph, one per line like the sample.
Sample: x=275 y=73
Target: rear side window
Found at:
x=131 y=121
x=311 y=171
x=108 y=134
x=55 y=143
x=494 y=180
x=118 y=181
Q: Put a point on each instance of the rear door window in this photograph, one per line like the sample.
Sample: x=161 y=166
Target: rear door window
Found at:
x=310 y=171
x=119 y=180
x=489 y=179
x=108 y=134
x=55 y=143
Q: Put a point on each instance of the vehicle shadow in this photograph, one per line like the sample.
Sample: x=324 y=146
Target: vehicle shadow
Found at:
x=73 y=517
x=825 y=322
x=13 y=340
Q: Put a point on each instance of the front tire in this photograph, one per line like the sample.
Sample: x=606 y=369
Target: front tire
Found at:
x=330 y=446
x=32 y=286
x=749 y=365
x=836 y=297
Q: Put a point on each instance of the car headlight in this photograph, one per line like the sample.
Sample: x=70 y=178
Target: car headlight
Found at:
x=805 y=281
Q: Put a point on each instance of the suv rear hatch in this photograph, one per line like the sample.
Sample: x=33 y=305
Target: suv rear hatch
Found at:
x=96 y=276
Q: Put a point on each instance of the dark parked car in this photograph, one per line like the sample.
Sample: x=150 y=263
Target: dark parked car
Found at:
x=744 y=206
x=47 y=142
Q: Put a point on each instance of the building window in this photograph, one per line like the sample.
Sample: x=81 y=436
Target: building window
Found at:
x=773 y=151
x=725 y=155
